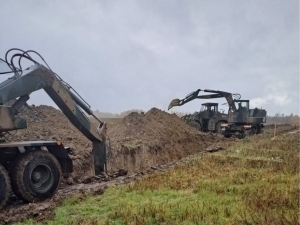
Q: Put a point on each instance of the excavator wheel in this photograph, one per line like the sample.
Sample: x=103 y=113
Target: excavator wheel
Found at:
x=36 y=176
x=5 y=189
x=195 y=124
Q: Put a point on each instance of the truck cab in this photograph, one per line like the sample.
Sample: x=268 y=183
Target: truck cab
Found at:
x=244 y=121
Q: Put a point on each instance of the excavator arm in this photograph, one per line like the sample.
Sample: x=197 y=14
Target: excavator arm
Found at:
x=195 y=95
x=39 y=77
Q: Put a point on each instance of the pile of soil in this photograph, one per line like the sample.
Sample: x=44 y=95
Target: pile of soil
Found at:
x=140 y=141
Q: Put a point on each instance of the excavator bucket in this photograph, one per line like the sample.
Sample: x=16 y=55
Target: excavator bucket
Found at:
x=174 y=102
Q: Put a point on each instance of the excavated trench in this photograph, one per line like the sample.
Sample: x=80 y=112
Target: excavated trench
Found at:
x=140 y=141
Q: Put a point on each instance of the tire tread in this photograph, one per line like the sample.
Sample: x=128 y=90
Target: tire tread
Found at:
x=17 y=183
x=7 y=192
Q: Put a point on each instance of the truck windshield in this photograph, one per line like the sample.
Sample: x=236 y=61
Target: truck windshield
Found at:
x=243 y=105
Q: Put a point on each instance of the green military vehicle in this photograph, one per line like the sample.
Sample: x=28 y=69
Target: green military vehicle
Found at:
x=239 y=122
x=207 y=119
x=244 y=121
x=32 y=170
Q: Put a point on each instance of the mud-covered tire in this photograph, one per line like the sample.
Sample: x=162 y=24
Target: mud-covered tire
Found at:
x=5 y=188
x=31 y=168
x=196 y=125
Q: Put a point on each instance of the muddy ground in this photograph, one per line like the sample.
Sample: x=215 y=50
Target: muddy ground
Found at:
x=140 y=144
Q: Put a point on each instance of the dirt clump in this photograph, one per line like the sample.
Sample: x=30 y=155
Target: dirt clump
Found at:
x=156 y=137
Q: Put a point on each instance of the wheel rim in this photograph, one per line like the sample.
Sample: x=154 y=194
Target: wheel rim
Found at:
x=195 y=125
x=41 y=178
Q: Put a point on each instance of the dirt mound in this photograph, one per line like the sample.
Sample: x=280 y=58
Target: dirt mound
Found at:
x=156 y=137
x=47 y=123
x=138 y=142
x=153 y=125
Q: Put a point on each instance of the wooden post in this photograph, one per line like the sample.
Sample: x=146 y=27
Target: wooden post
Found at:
x=275 y=129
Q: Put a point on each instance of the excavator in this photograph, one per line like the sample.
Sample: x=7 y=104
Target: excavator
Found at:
x=239 y=122
x=208 y=119
x=32 y=170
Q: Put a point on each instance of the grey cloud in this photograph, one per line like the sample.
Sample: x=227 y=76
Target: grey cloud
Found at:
x=141 y=54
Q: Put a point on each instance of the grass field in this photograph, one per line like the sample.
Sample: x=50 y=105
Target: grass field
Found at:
x=256 y=181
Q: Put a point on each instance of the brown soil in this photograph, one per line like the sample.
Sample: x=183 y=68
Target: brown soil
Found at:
x=137 y=142
x=156 y=137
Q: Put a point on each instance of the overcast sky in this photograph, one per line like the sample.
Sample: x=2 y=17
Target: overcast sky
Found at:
x=122 y=55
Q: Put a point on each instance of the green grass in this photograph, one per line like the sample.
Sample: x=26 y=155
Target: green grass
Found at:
x=256 y=181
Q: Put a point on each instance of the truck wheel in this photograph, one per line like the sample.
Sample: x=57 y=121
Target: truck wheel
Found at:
x=227 y=135
x=36 y=176
x=5 y=188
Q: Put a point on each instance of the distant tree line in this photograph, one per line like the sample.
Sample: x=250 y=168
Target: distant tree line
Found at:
x=283 y=119
x=115 y=115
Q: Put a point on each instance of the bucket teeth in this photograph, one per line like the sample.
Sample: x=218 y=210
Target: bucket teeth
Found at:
x=174 y=102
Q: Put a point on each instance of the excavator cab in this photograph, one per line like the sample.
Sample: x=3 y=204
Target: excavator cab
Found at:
x=243 y=105
x=209 y=108
x=244 y=114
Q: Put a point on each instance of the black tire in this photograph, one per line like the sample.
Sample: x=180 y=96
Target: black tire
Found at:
x=30 y=169
x=5 y=188
x=195 y=124
x=242 y=135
